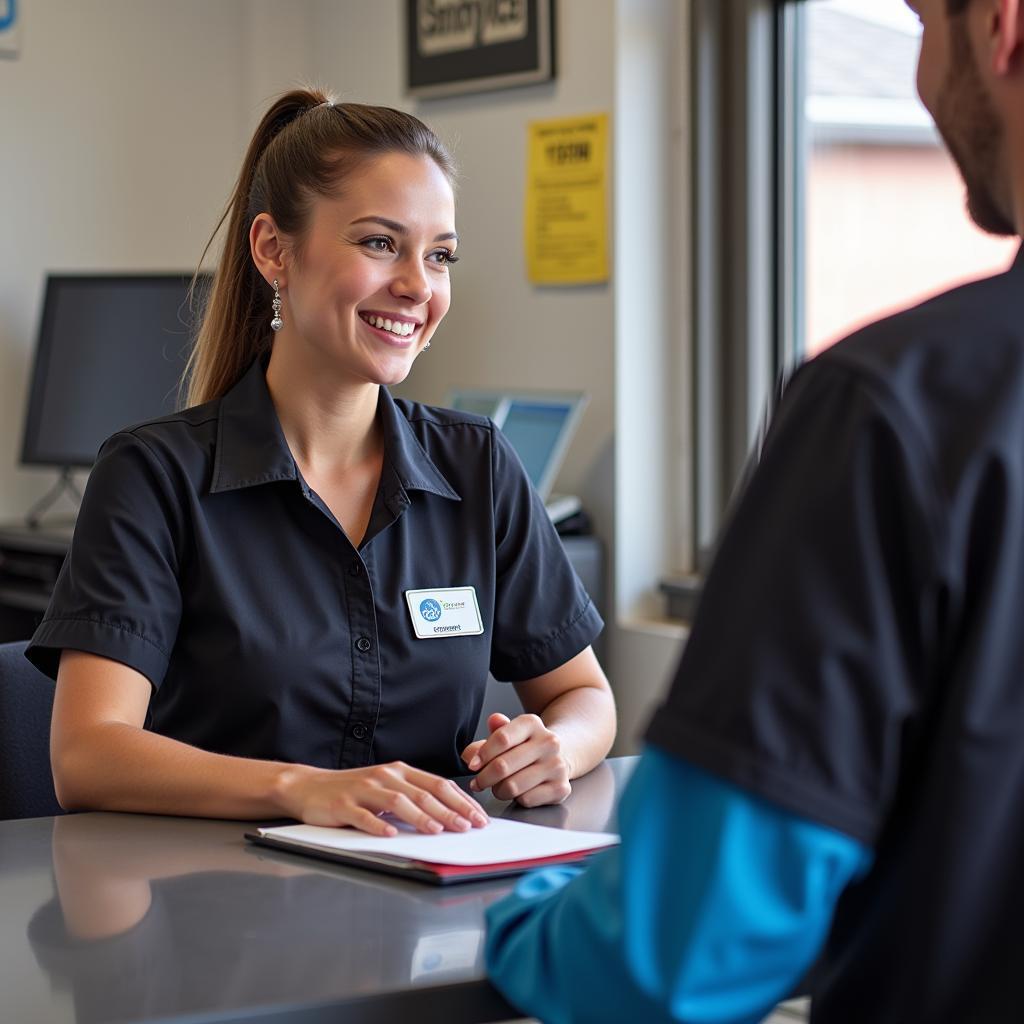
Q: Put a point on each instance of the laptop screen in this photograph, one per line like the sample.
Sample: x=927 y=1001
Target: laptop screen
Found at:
x=538 y=425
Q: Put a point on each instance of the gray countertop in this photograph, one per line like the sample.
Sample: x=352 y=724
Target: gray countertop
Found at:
x=120 y=917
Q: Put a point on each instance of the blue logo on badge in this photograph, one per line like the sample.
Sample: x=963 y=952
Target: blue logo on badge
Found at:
x=430 y=610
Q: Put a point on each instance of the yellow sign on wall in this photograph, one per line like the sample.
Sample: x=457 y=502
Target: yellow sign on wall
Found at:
x=567 y=201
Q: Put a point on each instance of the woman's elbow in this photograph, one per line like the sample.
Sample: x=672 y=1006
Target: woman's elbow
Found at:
x=70 y=765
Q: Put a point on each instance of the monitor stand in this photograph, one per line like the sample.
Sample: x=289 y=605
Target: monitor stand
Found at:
x=33 y=518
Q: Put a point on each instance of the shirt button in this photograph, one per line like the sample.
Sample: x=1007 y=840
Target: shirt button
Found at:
x=355 y=569
x=359 y=731
x=363 y=644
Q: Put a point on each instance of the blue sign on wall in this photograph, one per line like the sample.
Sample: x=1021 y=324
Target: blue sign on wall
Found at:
x=8 y=14
x=10 y=28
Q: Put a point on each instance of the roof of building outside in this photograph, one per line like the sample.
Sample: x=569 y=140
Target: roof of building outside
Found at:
x=853 y=56
x=861 y=80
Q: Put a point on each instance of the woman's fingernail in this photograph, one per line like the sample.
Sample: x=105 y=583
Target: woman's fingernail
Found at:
x=480 y=819
x=474 y=785
x=474 y=764
x=435 y=826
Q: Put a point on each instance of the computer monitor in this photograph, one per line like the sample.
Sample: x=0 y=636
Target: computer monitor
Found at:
x=111 y=351
x=539 y=424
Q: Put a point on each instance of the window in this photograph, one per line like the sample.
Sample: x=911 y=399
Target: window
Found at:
x=822 y=199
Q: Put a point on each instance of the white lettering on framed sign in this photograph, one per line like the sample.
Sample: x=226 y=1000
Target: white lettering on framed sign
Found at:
x=455 y=46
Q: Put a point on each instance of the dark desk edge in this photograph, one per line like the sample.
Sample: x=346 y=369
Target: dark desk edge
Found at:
x=470 y=1002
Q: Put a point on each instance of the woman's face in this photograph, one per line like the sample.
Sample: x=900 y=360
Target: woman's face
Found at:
x=371 y=282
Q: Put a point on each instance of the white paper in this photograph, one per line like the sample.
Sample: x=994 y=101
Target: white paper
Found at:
x=499 y=841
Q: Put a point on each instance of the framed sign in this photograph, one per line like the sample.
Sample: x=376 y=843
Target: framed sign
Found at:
x=458 y=46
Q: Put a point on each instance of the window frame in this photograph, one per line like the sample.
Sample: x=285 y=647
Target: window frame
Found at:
x=748 y=166
x=747 y=86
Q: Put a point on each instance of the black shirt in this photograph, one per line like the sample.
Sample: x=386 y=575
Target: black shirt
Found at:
x=202 y=559
x=858 y=653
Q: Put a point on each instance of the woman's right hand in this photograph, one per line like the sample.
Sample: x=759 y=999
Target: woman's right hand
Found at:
x=359 y=796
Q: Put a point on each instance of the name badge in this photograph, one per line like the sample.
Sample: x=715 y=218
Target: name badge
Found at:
x=452 y=611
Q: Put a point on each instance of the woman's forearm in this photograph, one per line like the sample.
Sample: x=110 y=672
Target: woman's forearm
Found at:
x=114 y=766
x=584 y=721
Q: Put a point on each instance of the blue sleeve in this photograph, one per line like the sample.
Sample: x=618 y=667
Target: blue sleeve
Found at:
x=710 y=910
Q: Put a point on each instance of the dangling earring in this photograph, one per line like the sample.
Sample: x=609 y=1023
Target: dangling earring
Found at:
x=277 y=323
x=425 y=347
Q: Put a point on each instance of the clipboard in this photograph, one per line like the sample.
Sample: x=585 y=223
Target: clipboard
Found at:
x=423 y=871
x=465 y=864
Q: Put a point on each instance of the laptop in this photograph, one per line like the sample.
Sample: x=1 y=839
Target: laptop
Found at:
x=539 y=425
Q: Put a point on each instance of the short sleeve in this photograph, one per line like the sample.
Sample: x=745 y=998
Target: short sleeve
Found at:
x=542 y=614
x=117 y=594
x=804 y=671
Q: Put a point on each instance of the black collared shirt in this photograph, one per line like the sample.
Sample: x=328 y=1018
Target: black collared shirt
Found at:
x=858 y=653
x=202 y=559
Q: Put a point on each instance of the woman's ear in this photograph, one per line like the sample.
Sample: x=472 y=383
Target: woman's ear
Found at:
x=1006 y=31
x=267 y=248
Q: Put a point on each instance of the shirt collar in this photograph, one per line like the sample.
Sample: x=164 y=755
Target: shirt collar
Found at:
x=413 y=467
x=251 y=447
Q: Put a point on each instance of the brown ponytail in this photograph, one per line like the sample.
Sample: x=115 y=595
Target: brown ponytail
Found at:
x=303 y=147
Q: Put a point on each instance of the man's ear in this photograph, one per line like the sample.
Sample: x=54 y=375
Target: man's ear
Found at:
x=1005 y=28
x=267 y=248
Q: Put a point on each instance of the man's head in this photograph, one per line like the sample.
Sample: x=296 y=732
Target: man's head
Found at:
x=970 y=50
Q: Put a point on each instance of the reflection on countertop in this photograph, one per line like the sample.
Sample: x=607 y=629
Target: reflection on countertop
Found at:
x=158 y=916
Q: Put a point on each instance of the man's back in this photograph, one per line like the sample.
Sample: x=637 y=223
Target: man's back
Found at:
x=927 y=765
x=933 y=932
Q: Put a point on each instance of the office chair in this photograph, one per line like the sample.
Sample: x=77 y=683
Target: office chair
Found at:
x=26 y=699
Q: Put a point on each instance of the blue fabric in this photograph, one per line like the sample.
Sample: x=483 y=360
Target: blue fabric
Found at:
x=710 y=910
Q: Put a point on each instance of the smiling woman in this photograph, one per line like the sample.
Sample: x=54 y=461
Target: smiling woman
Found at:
x=239 y=630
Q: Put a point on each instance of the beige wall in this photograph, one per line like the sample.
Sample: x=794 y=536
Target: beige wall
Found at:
x=111 y=157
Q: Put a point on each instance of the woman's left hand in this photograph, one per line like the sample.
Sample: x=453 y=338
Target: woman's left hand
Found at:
x=521 y=760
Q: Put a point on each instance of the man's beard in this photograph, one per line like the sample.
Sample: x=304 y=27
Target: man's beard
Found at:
x=969 y=125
